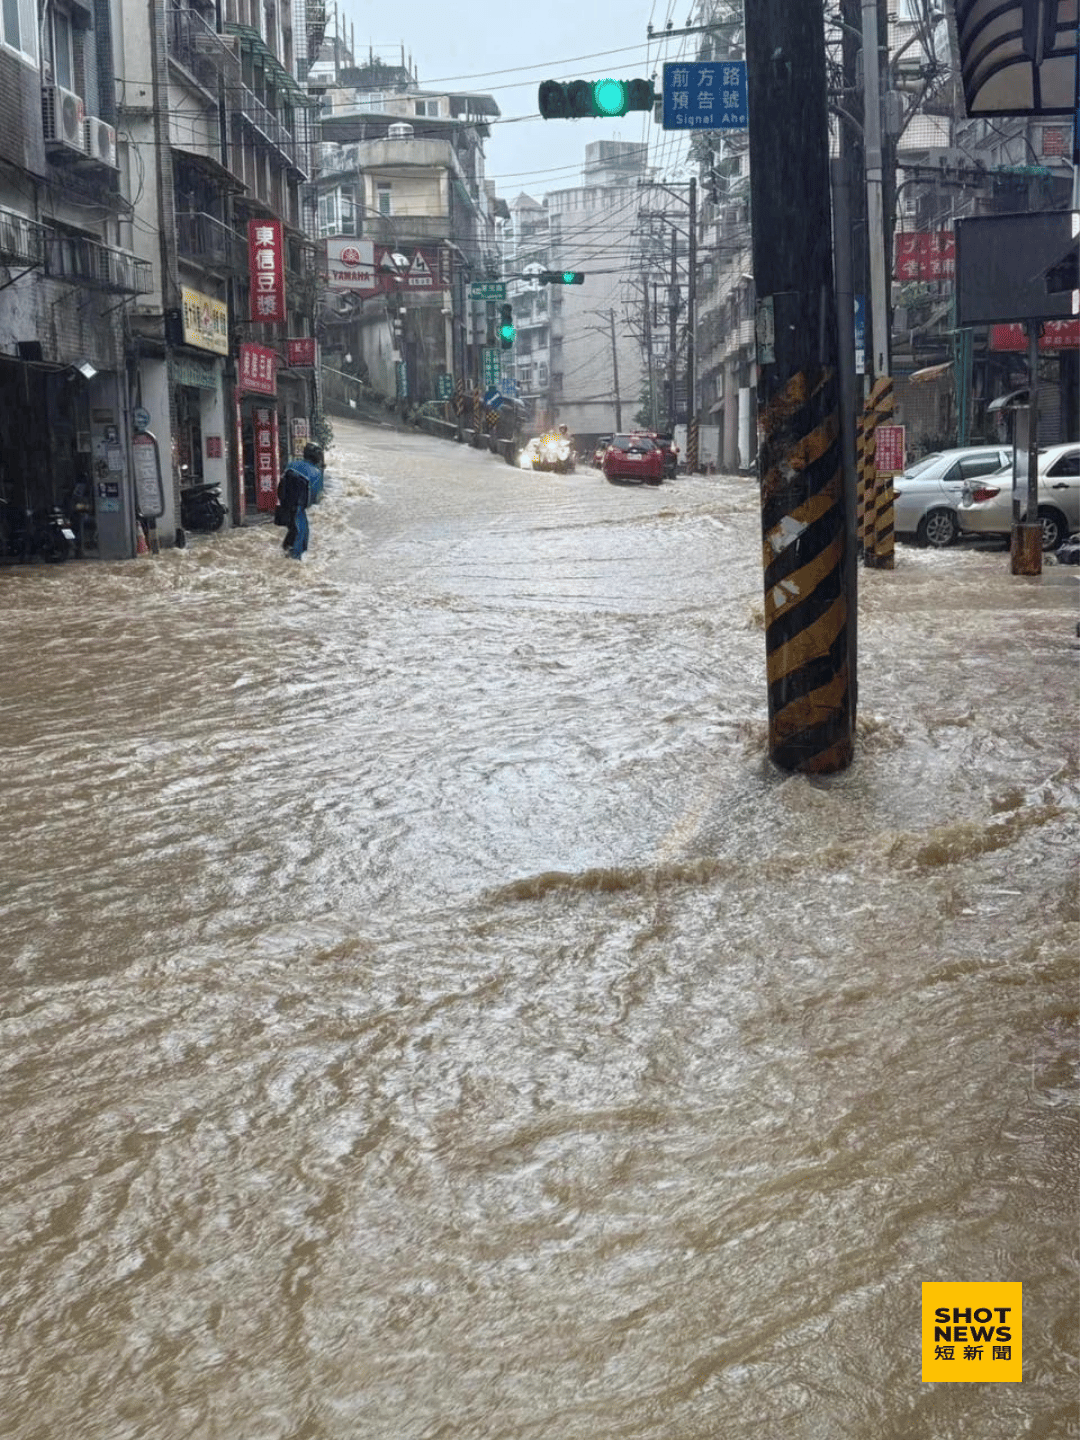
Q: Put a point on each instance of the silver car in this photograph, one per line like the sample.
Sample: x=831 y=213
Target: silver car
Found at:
x=986 y=508
x=928 y=492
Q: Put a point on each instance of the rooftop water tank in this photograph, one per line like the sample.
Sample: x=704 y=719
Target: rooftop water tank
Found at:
x=400 y=131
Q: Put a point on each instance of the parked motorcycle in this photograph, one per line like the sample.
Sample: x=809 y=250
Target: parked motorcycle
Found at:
x=45 y=533
x=200 y=508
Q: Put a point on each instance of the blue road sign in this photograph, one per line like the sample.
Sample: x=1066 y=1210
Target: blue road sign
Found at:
x=705 y=95
x=492 y=398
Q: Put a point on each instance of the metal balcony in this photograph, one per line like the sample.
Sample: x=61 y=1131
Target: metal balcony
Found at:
x=208 y=242
x=77 y=260
x=267 y=125
x=203 y=53
x=22 y=240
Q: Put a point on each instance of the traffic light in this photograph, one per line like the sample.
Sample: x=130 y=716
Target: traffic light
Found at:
x=578 y=99
x=506 y=327
x=561 y=277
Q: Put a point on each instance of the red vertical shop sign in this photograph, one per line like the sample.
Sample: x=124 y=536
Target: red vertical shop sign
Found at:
x=266 y=263
x=266 y=479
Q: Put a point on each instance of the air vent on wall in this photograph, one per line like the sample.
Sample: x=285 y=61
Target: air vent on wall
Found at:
x=100 y=141
x=62 y=116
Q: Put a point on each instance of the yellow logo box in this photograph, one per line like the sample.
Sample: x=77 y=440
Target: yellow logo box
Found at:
x=972 y=1332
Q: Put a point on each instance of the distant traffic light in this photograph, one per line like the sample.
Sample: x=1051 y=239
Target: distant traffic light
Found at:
x=579 y=99
x=561 y=277
x=507 y=331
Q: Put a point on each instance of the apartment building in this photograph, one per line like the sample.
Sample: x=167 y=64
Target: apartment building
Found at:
x=407 y=221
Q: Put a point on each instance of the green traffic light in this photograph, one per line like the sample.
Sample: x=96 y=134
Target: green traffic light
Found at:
x=609 y=97
x=507 y=333
x=568 y=277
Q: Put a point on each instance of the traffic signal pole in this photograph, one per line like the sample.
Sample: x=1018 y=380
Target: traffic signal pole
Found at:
x=807 y=555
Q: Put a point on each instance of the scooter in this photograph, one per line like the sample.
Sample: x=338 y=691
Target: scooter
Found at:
x=45 y=533
x=200 y=508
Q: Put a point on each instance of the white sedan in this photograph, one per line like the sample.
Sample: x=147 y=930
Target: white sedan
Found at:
x=987 y=504
x=927 y=495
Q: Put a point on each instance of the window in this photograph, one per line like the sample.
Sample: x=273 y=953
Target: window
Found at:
x=62 y=65
x=382 y=192
x=18 y=27
x=427 y=107
x=542 y=374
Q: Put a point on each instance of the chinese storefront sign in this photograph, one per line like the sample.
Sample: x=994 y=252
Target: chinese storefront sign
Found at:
x=300 y=351
x=889 y=452
x=705 y=97
x=298 y=436
x=1053 y=335
x=214 y=447
x=266 y=263
x=204 y=321
x=258 y=370
x=925 y=255
x=266 y=478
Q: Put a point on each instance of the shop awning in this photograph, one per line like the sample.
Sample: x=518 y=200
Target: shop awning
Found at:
x=1018 y=57
x=929 y=372
x=251 y=40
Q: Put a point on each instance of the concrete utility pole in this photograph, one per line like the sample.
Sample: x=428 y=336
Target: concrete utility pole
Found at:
x=673 y=347
x=648 y=350
x=615 y=371
x=691 y=321
x=809 y=565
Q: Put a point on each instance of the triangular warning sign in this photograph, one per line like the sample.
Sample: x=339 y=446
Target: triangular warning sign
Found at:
x=419 y=270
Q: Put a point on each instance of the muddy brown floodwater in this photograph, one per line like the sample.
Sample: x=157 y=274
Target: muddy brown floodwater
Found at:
x=426 y=1015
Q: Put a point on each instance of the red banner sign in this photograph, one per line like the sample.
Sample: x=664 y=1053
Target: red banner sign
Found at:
x=266 y=263
x=300 y=351
x=889 y=450
x=258 y=370
x=266 y=478
x=925 y=255
x=1056 y=335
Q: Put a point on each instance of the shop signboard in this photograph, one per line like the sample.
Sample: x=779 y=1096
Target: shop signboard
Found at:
x=204 y=321
x=300 y=351
x=925 y=255
x=350 y=264
x=258 y=370
x=1053 y=335
x=298 y=436
x=265 y=458
x=146 y=463
x=266 y=264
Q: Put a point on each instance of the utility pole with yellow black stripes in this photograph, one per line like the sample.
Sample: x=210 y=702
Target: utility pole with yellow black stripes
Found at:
x=808 y=554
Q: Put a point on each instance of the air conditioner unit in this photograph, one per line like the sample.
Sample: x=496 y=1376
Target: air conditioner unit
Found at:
x=62 y=116
x=100 y=140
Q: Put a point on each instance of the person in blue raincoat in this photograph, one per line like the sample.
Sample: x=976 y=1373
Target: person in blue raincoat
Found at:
x=301 y=487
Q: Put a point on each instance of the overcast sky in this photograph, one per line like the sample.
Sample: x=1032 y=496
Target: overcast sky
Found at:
x=506 y=50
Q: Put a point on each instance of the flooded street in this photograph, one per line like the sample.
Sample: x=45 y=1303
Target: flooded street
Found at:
x=428 y=1016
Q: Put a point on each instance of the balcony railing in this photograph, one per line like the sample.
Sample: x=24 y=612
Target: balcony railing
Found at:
x=80 y=261
x=22 y=240
x=207 y=241
x=267 y=124
x=197 y=46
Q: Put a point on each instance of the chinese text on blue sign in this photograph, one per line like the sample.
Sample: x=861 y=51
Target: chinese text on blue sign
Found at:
x=705 y=96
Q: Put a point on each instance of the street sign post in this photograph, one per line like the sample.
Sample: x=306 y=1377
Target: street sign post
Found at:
x=492 y=398
x=487 y=290
x=709 y=96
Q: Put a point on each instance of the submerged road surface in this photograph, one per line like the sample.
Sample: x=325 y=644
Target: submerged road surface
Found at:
x=426 y=1014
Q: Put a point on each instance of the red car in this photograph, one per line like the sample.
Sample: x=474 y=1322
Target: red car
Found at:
x=633 y=457
x=665 y=443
